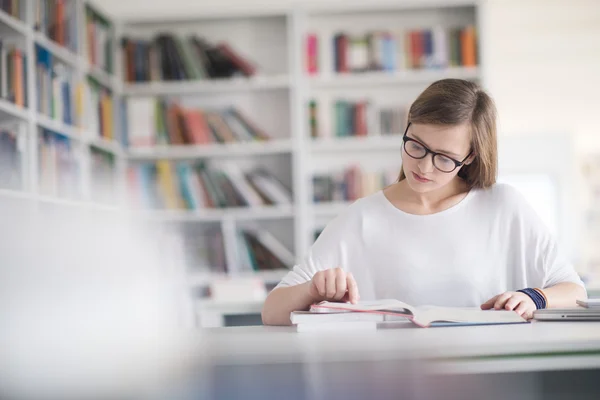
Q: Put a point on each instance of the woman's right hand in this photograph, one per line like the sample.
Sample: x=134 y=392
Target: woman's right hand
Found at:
x=334 y=285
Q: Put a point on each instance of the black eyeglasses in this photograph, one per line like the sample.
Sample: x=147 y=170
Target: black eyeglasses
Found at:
x=418 y=150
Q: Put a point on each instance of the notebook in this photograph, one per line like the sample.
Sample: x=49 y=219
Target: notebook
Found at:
x=589 y=303
x=425 y=316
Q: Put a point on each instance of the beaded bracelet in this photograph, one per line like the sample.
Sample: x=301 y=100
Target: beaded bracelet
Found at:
x=538 y=298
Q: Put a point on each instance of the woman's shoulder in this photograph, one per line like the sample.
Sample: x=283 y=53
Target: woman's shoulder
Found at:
x=502 y=196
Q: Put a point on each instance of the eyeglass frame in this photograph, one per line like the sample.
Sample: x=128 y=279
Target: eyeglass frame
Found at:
x=433 y=153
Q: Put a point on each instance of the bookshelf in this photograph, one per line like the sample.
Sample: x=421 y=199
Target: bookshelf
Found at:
x=275 y=97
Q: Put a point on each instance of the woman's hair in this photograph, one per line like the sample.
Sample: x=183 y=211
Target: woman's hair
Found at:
x=456 y=101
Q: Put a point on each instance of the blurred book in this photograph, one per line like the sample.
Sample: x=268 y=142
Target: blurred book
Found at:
x=10 y=160
x=54 y=81
x=13 y=74
x=350 y=184
x=260 y=250
x=57 y=19
x=153 y=121
x=103 y=176
x=99 y=35
x=435 y=47
x=169 y=57
x=357 y=118
x=58 y=166
x=97 y=107
x=166 y=185
x=14 y=8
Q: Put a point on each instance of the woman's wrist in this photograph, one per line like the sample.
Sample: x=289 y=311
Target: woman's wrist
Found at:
x=537 y=296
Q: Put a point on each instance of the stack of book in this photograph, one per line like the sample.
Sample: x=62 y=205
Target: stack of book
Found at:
x=14 y=8
x=99 y=40
x=102 y=176
x=350 y=184
x=158 y=121
x=184 y=186
x=173 y=58
x=57 y=19
x=258 y=250
x=58 y=166
x=357 y=118
x=10 y=160
x=13 y=74
x=55 y=84
x=385 y=51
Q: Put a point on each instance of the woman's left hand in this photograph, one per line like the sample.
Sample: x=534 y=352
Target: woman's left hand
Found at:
x=517 y=301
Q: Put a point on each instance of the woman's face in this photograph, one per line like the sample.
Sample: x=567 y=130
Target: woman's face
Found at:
x=452 y=142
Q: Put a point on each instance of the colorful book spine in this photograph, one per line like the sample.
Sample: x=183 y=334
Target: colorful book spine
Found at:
x=350 y=184
x=58 y=166
x=10 y=160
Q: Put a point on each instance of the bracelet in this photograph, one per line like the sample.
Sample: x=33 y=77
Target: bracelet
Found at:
x=538 y=299
x=540 y=291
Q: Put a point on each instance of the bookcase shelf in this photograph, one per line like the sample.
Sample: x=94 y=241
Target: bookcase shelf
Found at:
x=72 y=132
x=191 y=152
x=204 y=278
x=357 y=143
x=10 y=111
x=58 y=51
x=219 y=214
x=275 y=100
x=237 y=84
x=380 y=78
x=11 y=25
x=101 y=76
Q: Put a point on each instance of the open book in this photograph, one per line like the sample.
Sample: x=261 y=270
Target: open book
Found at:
x=425 y=316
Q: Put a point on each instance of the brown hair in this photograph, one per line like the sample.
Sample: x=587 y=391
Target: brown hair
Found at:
x=456 y=101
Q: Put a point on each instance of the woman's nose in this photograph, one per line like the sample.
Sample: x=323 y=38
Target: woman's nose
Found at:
x=426 y=164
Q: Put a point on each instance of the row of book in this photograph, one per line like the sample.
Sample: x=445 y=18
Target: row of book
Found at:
x=384 y=51
x=86 y=104
x=102 y=176
x=165 y=185
x=10 y=160
x=57 y=19
x=13 y=74
x=255 y=249
x=99 y=40
x=58 y=165
x=156 y=121
x=169 y=57
x=350 y=184
x=357 y=118
x=14 y=8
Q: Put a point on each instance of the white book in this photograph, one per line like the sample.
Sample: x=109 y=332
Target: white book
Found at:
x=440 y=47
x=426 y=316
x=309 y=317
x=268 y=240
x=140 y=116
x=236 y=176
x=273 y=189
x=350 y=326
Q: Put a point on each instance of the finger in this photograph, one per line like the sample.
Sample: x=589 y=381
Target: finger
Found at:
x=490 y=303
x=340 y=284
x=512 y=303
x=319 y=282
x=330 y=283
x=521 y=309
x=501 y=300
x=353 y=296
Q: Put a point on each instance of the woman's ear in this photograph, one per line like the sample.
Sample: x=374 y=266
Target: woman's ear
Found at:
x=470 y=159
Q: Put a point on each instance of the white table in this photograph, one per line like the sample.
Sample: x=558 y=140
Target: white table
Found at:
x=504 y=360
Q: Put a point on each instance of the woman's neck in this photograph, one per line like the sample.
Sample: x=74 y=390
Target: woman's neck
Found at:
x=405 y=198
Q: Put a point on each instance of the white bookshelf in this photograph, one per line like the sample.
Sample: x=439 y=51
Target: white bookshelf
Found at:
x=276 y=99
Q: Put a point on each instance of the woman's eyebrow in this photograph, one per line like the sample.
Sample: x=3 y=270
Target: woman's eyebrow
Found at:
x=450 y=153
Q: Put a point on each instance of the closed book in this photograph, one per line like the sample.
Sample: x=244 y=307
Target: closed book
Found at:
x=352 y=326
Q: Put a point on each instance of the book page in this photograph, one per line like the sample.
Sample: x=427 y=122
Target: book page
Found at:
x=427 y=314
x=382 y=306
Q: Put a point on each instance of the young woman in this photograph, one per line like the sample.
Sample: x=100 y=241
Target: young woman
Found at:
x=445 y=234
